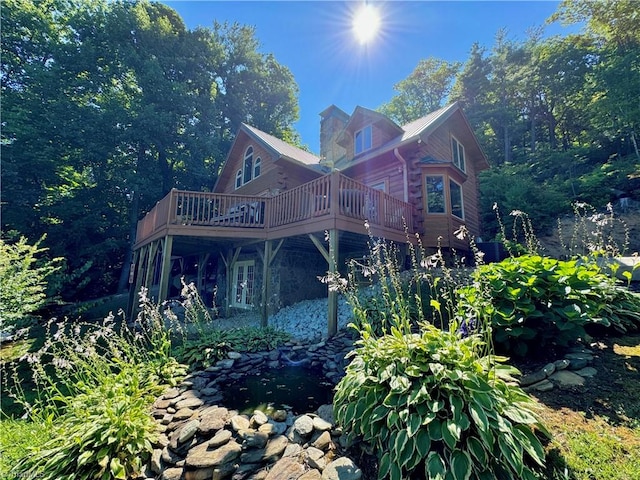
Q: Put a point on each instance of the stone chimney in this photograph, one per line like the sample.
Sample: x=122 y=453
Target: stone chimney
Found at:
x=332 y=123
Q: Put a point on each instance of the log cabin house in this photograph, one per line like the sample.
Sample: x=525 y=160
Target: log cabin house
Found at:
x=280 y=217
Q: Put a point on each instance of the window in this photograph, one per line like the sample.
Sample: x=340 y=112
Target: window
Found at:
x=455 y=194
x=458 y=154
x=382 y=186
x=363 y=140
x=248 y=165
x=243 y=284
x=238 y=178
x=435 y=194
x=256 y=167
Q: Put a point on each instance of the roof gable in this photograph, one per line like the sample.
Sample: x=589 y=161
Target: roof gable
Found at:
x=363 y=116
x=279 y=149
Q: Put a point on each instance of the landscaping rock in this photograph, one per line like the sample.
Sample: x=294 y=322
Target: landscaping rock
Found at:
x=287 y=468
x=587 y=372
x=238 y=422
x=303 y=425
x=201 y=456
x=220 y=438
x=565 y=379
x=342 y=468
x=172 y=474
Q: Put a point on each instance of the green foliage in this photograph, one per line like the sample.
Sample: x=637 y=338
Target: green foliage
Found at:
x=198 y=342
x=105 y=431
x=24 y=278
x=94 y=385
x=16 y=438
x=147 y=105
x=430 y=404
x=543 y=302
x=214 y=345
x=422 y=92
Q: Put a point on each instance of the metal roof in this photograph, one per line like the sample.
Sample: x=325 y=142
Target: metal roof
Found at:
x=282 y=148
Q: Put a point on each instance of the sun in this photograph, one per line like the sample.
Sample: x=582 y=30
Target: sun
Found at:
x=366 y=23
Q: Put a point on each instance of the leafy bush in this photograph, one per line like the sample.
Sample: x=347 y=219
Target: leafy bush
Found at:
x=542 y=302
x=200 y=343
x=23 y=280
x=430 y=405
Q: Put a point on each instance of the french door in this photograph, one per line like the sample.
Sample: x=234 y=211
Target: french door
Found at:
x=243 y=284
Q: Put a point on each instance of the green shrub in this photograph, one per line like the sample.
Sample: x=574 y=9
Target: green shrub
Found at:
x=543 y=302
x=200 y=343
x=23 y=280
x=431 y=405
x=432 y=402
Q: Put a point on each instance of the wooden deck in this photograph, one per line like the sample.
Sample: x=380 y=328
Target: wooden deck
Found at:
x=330 y=202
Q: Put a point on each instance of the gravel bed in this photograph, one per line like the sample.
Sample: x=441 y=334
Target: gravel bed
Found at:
x=305 y=320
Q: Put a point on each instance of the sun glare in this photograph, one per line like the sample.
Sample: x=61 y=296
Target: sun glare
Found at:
x=366 y=23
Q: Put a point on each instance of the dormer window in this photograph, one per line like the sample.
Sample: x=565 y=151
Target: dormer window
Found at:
x=363 y=140
x=458 y=154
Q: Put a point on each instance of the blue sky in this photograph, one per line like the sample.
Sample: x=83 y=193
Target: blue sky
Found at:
x=314 y=39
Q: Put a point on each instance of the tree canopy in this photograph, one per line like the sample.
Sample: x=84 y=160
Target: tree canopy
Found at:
x=107 y=106
x=557 y=117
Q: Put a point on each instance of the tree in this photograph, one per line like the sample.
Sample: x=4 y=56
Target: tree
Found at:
x=106 y=107
x=423 y=91
x=613 y=26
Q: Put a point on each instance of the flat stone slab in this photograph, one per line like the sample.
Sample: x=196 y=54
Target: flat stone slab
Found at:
x=286 y=468
x=587 y=372
x=566 y=378
x=201 y=456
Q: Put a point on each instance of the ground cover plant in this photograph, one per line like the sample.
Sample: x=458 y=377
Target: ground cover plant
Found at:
x=198 y=342
x=539 y=303
x=90 y=386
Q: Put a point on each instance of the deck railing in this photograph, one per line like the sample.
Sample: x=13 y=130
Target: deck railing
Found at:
x=333 y=194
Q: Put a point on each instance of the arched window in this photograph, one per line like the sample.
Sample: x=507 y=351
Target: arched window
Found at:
x=239 y=179
x=256 y=167
x=248 y=165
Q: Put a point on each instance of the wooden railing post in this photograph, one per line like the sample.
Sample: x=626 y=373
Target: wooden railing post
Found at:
x=173 y=206
x=334 y=193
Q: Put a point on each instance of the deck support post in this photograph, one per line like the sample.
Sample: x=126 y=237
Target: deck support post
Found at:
x=332 y=320
x=266 y=279
x=166 y=268
x=134 y=283
x=229 y=263
x=267 y=258
x=152 y=251
x=203 y=258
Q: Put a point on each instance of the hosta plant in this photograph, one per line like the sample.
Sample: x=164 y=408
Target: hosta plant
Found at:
x=433 y=407
x=543 y=302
